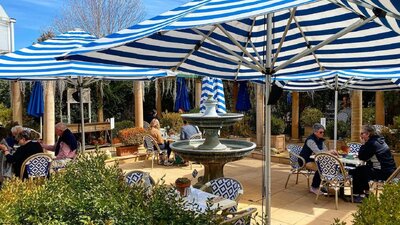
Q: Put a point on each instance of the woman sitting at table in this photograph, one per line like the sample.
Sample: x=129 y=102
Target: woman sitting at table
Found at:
x=380 y=163
x=155 y=132
x=314 y=144
x=26 y=148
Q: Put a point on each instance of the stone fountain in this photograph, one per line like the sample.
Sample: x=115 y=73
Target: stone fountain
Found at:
x=212 y=152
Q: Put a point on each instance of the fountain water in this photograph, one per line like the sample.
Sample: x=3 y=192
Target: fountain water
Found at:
x=212 y=152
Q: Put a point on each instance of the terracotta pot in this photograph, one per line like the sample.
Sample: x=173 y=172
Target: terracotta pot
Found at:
x=182 y=188
x=345 y=149
x=126 y=150
x=116 y=140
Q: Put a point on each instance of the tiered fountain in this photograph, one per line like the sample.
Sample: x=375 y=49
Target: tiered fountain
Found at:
x=213 y=153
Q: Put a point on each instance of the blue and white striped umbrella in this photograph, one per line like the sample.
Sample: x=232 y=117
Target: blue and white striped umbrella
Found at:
x=37 y=62
x=227 y=39
x=215 y=88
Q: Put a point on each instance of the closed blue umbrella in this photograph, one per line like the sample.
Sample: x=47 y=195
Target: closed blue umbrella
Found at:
x=243 y=99
x=182 y=96
x=36 y=102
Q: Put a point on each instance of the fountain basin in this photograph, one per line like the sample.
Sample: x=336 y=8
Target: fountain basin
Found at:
x=213 y=122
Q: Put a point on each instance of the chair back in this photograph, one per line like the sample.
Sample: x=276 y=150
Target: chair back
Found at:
x=294 y=155
x=354 y=147
x=195 y=136
x=330 y=168
x=342 y=116
x=146 y=125
x=395 y=177
x=150 y=143
x=137 y=176
x=37 y=165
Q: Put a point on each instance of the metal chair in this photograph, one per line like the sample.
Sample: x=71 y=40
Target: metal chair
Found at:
x=333 y=175
x=294 y=156
x=195 y=136
x=244 y=215
x=37 y=165
x=137 y=177
x=354 y=147
x=377 y=185
x=152 y=148
x=146 y=124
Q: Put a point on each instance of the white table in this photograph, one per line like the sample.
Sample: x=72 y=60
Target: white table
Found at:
x=347 y=161
x=197 y=199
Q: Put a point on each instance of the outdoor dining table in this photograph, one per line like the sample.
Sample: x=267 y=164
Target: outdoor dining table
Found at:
x=348 y=160
x=197 y=199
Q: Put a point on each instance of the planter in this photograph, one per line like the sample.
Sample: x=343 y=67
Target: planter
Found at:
x=116 y=140
x=126 y=150
x=278 y=142
x=339 y=144
x=308 y=130
x=182 y=187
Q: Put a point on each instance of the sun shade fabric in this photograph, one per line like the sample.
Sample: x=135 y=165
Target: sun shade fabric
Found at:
x=36 y=100
x=182 y=95
x=199 y=37
x=215 y=88
x=38 y=62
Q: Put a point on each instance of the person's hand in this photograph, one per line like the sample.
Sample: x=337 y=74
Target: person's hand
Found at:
x=333 y=152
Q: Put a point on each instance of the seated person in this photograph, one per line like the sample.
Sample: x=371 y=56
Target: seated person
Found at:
x=380 y=163
x=314 y=144
x=188 y=130
x=156 y=134
x=5 y=168
x=65 y=148
x=26 y=148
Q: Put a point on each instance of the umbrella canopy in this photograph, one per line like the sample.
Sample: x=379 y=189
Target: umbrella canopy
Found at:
x=243 y=99
x=182 y=96
x=227 y=39
x=215 y=88
x=37 y=62
x=36 y=101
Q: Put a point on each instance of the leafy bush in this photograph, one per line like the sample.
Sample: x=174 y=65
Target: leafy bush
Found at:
x=5 y=114
x=343 y=129
x=368 y=115
x=310 y=116
x=396 y=122
x=121 y=125
x=172 y=120
x=132 y=136
x=88 y=192
x=240 y=128
x=392 y=138
x=277 y=125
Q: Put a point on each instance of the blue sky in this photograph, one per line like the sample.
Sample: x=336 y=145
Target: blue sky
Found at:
x=35 y=16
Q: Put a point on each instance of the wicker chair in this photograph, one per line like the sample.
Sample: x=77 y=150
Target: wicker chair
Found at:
x=377 y=185
x=37 y=165
x=225 y=187
x=354 y=147
x=137 y=177
x=152 y=148
x=244 y=216
x=146 y=124
x=294 y=156
x=333 y=175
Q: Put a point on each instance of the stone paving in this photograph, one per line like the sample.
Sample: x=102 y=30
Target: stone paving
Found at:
x=294 y=205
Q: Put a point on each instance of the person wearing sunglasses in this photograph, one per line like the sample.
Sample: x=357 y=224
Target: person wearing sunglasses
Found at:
x=379 y=160
x=314 y=144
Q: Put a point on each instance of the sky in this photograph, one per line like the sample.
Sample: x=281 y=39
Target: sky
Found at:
x=35 y=16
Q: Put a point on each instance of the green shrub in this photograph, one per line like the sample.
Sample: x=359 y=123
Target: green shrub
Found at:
x=343 y=129
x=396 y=122
x=240 y=128
x=88 y=192
x=120 y=126
x=5 y=114
x=277 y=125
x=368 y=115
x=310 y=116
x=172 y=120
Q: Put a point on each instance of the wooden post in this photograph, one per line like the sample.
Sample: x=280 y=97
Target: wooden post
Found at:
x=356 y=115
x=100 y=100
x=295 y=116
x=16 y=102
x=379 y=108
x=197 y=93
x=235 y=91
x=138 y=95
x=49 y=114
x=260 y=115
x=158 y=98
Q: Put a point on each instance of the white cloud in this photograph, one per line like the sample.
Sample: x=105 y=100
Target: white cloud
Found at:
x=44 y=3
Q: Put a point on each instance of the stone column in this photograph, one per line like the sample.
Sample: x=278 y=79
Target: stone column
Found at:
x=49 y=114
x=197 y=93
x=260 y=115
x=356 y=115
x=138 y=95
x=158 y=98
x=295 y=116
x=100 y=101
x=16 y=102
x=379 y=108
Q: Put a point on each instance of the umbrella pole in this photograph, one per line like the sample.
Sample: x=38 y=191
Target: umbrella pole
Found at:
x=335 y=126
x=41 y=127
x=80 y=83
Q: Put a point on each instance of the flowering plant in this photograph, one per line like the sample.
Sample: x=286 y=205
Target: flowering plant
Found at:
x=132 y=136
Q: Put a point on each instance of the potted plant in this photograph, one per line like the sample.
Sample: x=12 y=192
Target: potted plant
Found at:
x=309 y=117
x=343 y=130
x=131 y=138
x=277 y=136
x=119 y=126
x=181 y=185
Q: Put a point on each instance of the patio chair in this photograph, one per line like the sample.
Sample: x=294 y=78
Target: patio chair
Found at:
x=333 y=175
x=146 y=125
x=377 y=185
x=37 y=165
x=294 y=156
x=244 y=215
x=137 y=177
x=195 y=136
x=152 y=148
x=354 y=147
x=342 y=116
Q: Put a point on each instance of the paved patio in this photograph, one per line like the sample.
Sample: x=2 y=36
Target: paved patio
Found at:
x=294 y=205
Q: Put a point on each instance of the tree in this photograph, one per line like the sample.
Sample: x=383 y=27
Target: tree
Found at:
x=99 y=17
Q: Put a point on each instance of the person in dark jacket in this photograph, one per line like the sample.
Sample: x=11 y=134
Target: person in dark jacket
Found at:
x=379 y=161
x=314 y=144
x=26 y=149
